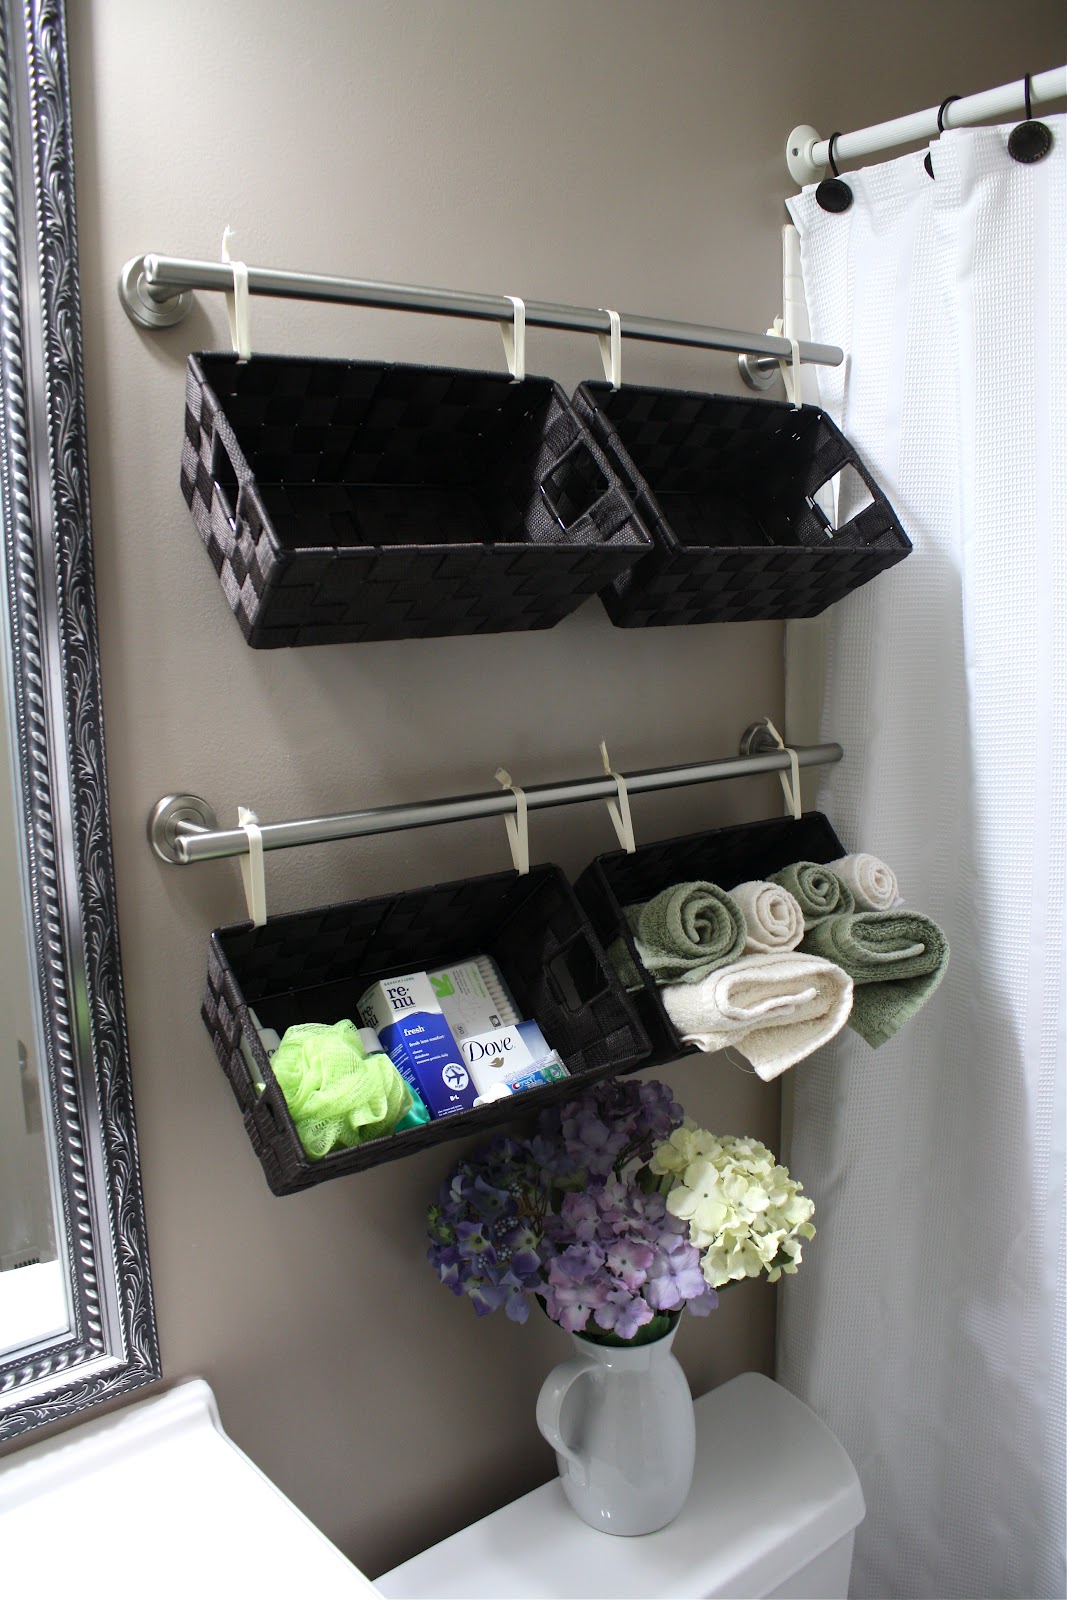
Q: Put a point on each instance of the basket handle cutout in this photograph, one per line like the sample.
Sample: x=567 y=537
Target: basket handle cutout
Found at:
x=575 y=974
x=228 y=483
x=265 y=1113
x=251 y=1084
x=842 y=497
x=574 y=485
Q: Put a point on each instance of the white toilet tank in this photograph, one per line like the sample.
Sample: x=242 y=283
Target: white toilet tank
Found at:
x=772 y=1513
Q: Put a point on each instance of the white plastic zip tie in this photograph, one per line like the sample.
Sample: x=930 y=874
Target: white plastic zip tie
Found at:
x=790 y=368
x=252 y=867
x=237 y=310
x=619 y=811
x=611 y=348
x=790 y=784
x=518 y=831
x=513 y=334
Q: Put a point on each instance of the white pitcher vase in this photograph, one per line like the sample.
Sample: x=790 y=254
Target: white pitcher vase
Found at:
x=620 y=1420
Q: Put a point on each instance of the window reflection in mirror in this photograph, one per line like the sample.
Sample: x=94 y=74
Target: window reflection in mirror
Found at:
x=33 y=1292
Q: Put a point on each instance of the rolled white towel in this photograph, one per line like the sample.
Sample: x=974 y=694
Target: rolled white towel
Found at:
x=773 y=918
x=776 y=1009
x=873 y=884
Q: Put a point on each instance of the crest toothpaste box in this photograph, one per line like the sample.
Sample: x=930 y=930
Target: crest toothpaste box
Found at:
x=407 y=1016
x=519 y=1057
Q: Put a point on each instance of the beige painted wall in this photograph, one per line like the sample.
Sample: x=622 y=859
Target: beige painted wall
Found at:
x=598 y=151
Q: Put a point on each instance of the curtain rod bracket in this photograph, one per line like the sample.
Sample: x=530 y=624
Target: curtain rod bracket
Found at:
x=798 y=155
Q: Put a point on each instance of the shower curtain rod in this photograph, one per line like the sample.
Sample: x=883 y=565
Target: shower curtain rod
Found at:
x=183 y=829
x=807 y=154
x=156 y=292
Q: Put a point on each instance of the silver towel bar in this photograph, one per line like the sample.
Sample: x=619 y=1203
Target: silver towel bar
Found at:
x=183 y=829
x=156 y=292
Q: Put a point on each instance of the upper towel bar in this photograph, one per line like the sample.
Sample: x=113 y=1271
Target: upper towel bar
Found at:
x=155 y=291
x=183 y=829
x=806 y=154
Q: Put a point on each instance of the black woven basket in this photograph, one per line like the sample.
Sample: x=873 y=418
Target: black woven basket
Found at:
x=350 y=500
x=727 y=486
x=314 y=966
x=724 y=856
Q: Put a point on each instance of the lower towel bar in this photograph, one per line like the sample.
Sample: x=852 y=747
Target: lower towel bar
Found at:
x=183 y=829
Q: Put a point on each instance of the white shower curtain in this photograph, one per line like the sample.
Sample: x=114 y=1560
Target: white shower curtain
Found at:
x=927 y=1325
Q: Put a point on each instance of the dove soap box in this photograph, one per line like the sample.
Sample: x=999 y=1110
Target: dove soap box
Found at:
x=519 y=1057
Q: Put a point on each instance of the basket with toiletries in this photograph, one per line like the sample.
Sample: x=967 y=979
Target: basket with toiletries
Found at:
x=757 y=510
x=357 y=500
x=440 y=1011
x=722 y=857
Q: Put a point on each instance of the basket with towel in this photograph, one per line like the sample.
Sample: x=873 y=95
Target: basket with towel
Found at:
x=313 y=967
x=729 y=489
x=356 y=500
x=712 y=929
x=775 y=965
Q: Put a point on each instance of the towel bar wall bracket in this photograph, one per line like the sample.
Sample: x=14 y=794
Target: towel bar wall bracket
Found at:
x=183 y=828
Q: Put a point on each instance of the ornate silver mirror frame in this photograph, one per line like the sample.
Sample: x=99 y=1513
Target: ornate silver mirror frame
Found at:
x=54 y=705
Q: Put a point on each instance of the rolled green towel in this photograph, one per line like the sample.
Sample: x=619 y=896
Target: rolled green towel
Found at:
x=896 y=959
x=819 y=890
x=683 y=933
x=337 y=1095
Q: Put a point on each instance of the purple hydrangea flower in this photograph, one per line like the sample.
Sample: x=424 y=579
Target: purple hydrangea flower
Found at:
x=622 y=1314
x=570 y=1215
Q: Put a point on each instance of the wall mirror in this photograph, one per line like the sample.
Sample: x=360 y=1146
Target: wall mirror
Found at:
x=76 y=1319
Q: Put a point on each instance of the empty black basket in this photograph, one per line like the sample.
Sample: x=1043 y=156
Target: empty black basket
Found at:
x=724 y=856
x=314 y=966
x=350 y=500
x=727 y=486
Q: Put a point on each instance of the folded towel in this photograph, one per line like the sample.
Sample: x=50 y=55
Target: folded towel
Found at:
x=819 y=890
x=895 y=958
x=337 y=1095
x=776 y=1009
x=685 y=932
x=872 y=883
x=772 y=916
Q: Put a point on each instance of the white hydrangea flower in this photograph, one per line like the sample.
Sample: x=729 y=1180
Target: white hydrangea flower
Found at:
x=745 y=1213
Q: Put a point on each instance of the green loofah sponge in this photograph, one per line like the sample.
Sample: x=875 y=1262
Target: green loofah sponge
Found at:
x=337 y=1094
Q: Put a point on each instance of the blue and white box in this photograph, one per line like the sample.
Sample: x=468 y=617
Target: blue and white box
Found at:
x=406 y=1014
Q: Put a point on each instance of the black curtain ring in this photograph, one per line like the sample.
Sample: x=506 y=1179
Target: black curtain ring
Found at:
x=833 y=194
x=942 y=108
x=1029 y=141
